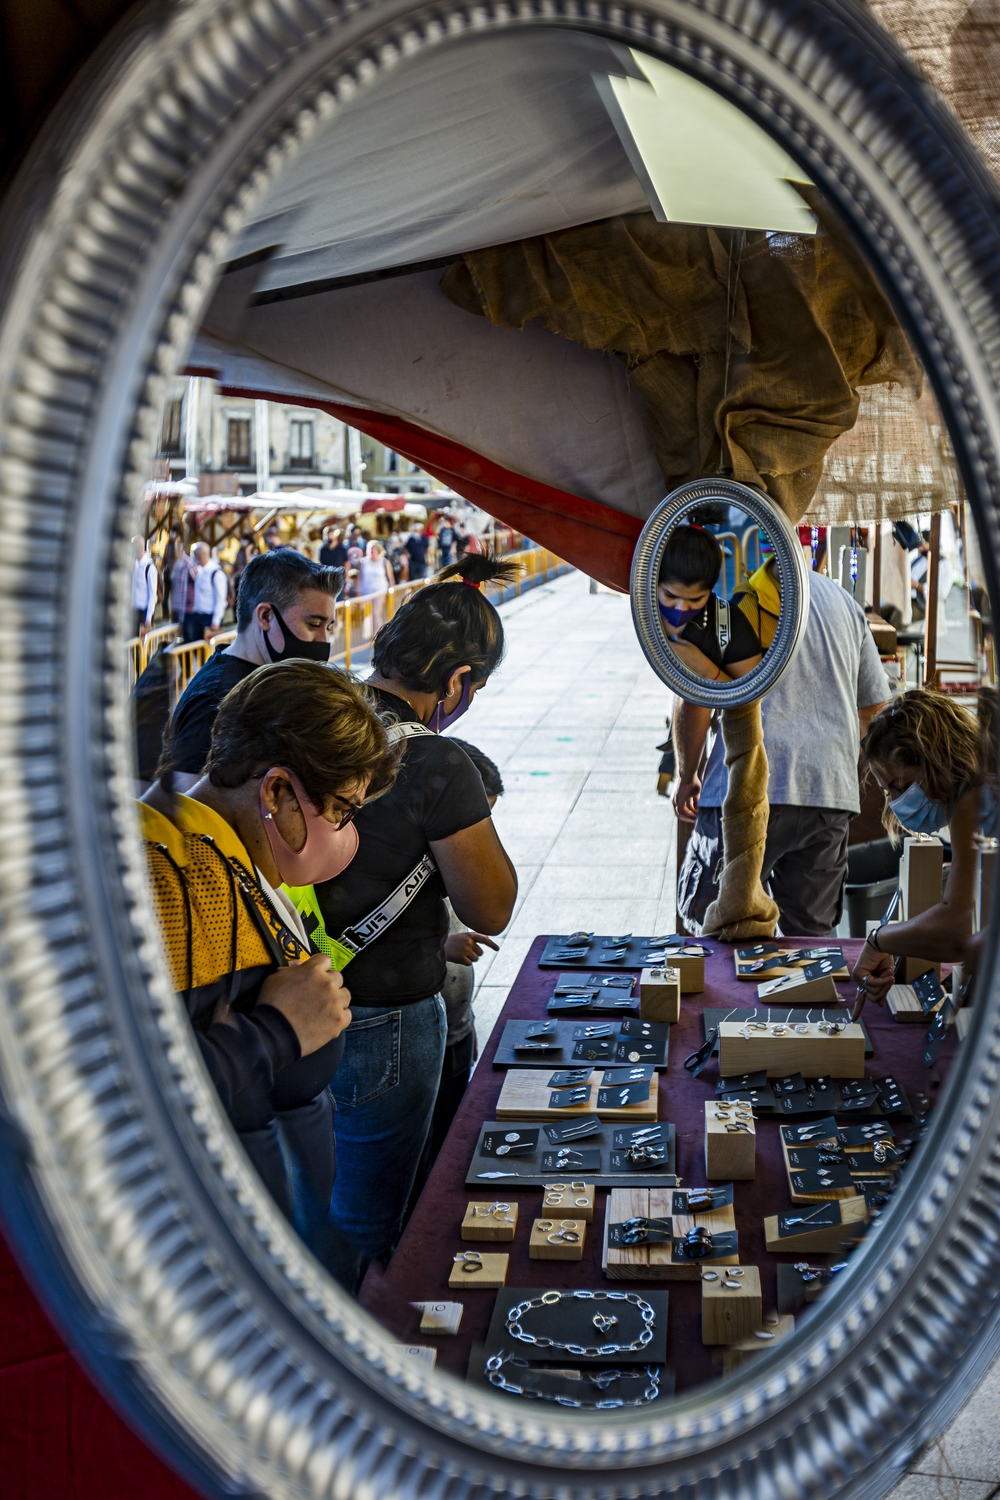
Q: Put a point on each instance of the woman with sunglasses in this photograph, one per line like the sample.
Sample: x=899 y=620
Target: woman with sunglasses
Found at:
x=936 y=764
x=430 y=836
x=295 y=749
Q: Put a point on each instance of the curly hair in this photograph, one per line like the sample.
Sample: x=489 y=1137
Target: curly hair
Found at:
x=442 y=627
x=933 y=733
x=308 y=717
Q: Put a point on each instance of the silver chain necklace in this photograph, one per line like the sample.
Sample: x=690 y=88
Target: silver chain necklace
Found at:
x=600 y=1321
x=598 y=1378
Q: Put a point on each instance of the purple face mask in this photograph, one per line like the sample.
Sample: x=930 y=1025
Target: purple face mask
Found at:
x=677 y=617
x=441 y=720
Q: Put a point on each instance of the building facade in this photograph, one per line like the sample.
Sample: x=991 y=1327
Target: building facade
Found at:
x=236 y=445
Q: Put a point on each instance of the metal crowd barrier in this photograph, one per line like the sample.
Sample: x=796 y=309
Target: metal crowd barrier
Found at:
x=357 y=622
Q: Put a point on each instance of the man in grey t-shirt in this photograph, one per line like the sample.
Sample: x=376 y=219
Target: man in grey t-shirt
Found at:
x=813 y=721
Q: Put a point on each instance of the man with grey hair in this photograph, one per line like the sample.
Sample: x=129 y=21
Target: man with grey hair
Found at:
x=211 y=594
x=286 y=607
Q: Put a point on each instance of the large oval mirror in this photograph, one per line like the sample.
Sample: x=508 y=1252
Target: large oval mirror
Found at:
x=395 y=1101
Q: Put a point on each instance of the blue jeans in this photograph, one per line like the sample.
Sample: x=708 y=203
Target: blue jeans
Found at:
x=385 y=1090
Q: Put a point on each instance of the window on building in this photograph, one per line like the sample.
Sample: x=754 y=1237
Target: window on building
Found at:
x=238 y=443
x=391 y=462
x=414 y=468
x=171 y=433
x=300 y=443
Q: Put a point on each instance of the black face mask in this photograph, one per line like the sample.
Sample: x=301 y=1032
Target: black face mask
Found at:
x=294 y=647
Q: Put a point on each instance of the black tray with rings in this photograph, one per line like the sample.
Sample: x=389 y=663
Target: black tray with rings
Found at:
x=614 y=951
x=570 y=1320
x=560 y=1154
x=555 y=1043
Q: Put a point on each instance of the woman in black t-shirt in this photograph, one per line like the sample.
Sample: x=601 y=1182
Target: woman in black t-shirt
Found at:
x=689 y=610
x=430 y=660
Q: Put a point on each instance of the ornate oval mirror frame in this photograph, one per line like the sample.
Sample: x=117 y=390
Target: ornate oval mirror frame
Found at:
x=129 y=1205
x=793 y=581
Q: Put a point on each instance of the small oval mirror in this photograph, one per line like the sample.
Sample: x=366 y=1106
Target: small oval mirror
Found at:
x=720 y=592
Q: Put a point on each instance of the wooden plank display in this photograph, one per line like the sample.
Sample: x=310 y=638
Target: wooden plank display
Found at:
x=771 y=966
x=801 y=1047
x=850 y=1215
x=655 y=1262
x=526 y=1095
x=904 y=1005
x=798 y=990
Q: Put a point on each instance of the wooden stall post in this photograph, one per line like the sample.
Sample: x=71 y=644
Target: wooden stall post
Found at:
x=877 y=571
x=931 y=610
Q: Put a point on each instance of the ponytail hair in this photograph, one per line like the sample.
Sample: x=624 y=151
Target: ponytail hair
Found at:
x=442 y=627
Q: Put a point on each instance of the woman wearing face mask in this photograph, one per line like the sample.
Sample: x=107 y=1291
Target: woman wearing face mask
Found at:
x=690 y=612
x=295 y=750
x=431 y=836
x=936 y=764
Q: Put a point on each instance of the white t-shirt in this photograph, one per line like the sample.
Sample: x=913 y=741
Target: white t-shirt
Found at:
x=811 y=718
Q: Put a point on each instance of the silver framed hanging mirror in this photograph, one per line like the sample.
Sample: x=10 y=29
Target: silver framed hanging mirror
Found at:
x=145 y=1231
x=658 y=621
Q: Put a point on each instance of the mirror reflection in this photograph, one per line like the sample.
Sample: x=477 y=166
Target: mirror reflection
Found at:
x=559 y=1060
x=718 y=618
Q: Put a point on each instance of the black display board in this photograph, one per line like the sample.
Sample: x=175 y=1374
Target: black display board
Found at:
x=488 y=1173
x=568 y=1033
x=598 y=953
x=570 y=1320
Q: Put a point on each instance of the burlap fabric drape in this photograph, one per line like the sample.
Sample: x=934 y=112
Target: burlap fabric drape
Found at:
x=748 y=350
x=743 y=909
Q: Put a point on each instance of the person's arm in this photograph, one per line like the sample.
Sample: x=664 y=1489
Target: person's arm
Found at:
x=942 y=932
x=478 y=876
x=690 y=731
x=220 y=588
x=865 y=716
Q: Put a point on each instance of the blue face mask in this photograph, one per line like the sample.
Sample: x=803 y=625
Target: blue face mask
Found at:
x=917 y=812
x=677 y=617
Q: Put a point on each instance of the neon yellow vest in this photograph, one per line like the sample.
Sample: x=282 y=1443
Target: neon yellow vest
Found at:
x=303 y=898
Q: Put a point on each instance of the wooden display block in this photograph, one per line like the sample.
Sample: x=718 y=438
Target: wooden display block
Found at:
x=986 y=879
x=569 y=1200
x=439 y=1317
x=921 y=872
x=730 y=1305
x=544 y=1244
x=489 y=1220
x=691 y=967
x=853 y=1218
x=904 y=1005
x=746 y=967
x=798 y=990
x=781 y=1049
x=660 y=994
x=778 y=1326
x=656 y=1262
x=489 y=1279
x=729 y=1155
x=526 y=1093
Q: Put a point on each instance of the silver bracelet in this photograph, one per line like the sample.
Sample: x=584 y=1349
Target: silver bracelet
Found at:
x=600 y=1379
x=602 y=1322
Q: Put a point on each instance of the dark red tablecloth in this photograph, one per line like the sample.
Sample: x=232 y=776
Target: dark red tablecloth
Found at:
x=419 y=1270
x=59 y=1439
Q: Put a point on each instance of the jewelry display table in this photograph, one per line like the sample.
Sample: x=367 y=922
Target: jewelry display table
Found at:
x=420 y=1269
